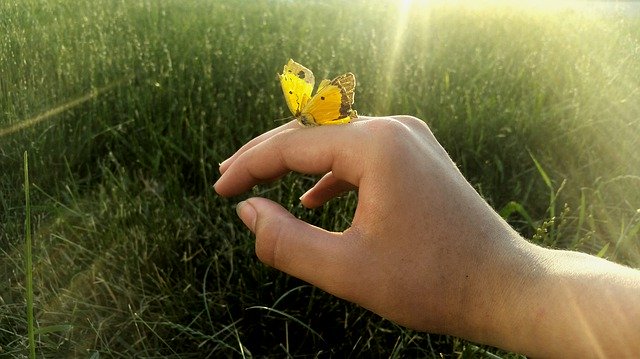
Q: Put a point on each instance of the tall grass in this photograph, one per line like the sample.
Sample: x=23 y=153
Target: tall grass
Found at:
x=126 y=108
x=28 y=267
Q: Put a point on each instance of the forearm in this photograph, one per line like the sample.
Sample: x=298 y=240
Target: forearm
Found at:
x=567 y=304
x=588 y=306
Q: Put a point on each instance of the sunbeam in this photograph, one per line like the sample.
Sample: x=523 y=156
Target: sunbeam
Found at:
x=394 y=54
x=49 y=114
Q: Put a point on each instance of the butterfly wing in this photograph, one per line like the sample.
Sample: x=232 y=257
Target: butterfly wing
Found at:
x=332 y=103
x=297 y=84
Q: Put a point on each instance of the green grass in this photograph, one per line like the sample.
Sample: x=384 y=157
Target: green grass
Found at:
x=28 y=256
x=126 y=108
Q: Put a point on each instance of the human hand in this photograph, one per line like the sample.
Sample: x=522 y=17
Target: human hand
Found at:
x=421 y=237
x=424 y=249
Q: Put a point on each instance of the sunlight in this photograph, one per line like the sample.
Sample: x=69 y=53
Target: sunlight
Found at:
x=542 y=6
x=390 y=68
x=57 y=110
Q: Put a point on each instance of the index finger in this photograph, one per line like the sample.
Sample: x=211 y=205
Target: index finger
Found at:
x=315 y=150
x=226 y=163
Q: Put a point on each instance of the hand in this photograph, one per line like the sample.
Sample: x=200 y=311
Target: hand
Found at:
x=424 y=249
x=421 y=236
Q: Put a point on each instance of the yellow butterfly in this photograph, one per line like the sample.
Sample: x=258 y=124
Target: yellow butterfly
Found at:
x=331 y=105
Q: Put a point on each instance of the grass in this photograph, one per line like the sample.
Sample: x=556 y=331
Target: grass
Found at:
x=126 y=108
x=28 y=260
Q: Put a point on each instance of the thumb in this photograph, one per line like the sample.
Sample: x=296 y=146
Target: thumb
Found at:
x=294 y=246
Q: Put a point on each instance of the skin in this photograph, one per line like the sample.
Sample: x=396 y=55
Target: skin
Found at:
x=424 y=249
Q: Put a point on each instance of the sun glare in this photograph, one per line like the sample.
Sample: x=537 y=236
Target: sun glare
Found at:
x=549 y=6
x=401 y=20
x=53 y=112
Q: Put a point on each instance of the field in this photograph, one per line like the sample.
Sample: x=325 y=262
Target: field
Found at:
x=125 y=109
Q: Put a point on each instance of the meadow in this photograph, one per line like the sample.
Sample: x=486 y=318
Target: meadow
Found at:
x=125 y=109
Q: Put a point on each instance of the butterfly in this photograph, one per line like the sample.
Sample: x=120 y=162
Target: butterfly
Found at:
x=331 y=105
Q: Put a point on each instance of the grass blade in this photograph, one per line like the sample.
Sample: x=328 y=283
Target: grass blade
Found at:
x=28 y=260
x=290 y=317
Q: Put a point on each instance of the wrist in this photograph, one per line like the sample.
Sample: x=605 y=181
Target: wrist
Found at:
x=550 y=303
x=508 y=278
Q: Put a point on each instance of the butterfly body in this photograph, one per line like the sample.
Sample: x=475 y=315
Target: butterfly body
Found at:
x=331 y=103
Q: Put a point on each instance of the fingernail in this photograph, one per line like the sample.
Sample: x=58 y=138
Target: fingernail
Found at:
x=247 y=214
x=221 y=164
x=216 y=183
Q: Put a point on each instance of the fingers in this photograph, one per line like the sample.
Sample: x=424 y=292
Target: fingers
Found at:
x=226 y=163
x=313 y=151
x=265 y=136
x=296 y=247
x=326 y=188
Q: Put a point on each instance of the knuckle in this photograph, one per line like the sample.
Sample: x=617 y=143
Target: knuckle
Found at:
x=414 y=123
x=387 y=133
x=281 y=137
x=268 y=239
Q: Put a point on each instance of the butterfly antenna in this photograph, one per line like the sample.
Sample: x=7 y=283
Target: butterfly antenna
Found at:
x=284 y=119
